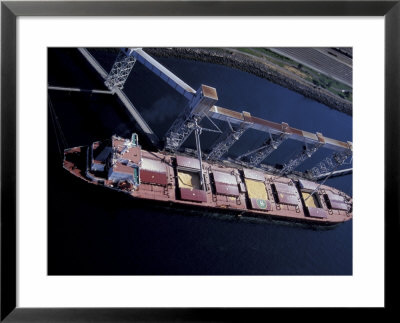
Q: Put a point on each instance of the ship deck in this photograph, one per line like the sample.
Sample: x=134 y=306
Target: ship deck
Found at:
x=176 y=180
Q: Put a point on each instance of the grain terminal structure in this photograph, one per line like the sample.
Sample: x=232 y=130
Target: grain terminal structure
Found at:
x=242 y=186
x=202 y=104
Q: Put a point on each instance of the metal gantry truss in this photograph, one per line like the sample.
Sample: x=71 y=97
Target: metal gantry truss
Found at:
x=120 y=71
x=226 y=141
x=329 y=164
x=259 y=154
x=199 y=101
x=308 y=151
x=179 y=132
x=194 y=112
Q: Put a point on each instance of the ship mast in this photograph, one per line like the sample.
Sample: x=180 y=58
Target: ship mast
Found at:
x=197 y=133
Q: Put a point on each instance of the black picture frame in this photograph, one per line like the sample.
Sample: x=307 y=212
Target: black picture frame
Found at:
x=10 y=10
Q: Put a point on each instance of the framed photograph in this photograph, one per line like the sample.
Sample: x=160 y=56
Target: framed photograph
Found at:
x=162 y=159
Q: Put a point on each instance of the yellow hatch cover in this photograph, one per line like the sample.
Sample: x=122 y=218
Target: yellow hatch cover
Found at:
x=256 y=189
x=311 y=202
x=189 y=180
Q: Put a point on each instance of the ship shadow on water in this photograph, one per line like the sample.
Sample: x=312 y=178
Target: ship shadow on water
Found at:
x=234 y=218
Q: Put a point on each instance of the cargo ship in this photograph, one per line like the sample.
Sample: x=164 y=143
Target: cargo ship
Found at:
x=181 y=181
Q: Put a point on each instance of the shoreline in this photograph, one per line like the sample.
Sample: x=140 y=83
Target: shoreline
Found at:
x=257 y=67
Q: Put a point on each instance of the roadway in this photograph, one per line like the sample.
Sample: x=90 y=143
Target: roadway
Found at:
x=326 y=60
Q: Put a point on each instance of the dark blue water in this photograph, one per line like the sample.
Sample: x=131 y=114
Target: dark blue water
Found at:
x=97 y=231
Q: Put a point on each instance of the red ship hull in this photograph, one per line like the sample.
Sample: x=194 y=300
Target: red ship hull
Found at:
x=175 y=181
